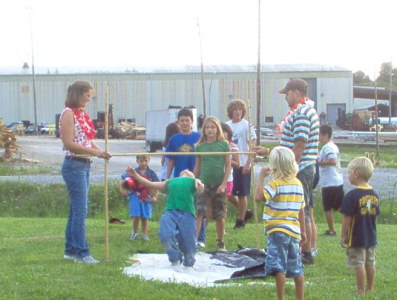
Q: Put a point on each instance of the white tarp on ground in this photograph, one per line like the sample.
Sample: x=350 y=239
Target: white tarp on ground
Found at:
x=157 y=267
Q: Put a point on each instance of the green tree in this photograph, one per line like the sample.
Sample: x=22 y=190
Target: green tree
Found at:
x=383 y=80
x=360 y=79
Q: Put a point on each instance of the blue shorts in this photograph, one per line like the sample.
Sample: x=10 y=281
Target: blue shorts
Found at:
x=138 y=208
x=283 y=255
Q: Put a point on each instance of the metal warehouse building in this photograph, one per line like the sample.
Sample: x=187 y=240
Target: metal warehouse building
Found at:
x=133 y=93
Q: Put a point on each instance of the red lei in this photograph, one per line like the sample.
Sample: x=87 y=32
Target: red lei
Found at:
x=85 y=122
x=289 y=114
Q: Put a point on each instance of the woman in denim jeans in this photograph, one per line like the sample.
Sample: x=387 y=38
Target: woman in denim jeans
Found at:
x=77 y=133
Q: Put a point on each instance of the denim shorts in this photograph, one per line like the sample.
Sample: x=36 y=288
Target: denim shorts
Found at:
x=283 y=255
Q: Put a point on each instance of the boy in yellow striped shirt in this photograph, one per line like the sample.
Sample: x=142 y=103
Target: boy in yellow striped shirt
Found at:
x=284 y=219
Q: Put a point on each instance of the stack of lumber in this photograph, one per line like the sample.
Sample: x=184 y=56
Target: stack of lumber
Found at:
x=130 y=130
x=8 y=142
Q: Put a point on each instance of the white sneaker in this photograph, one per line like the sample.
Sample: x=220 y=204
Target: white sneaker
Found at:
x=133 y=236
x=69 y=257
x=315 y=251
x=145 y=238
x=88 y=260
x=200 y=245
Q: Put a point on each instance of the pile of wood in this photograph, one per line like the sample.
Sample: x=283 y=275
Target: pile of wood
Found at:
x=8 y=142
x=130 y=131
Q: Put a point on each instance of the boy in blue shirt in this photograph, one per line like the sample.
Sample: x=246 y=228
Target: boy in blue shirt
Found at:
x=360 y=207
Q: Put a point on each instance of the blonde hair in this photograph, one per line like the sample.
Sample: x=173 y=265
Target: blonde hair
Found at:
x=236 y=104
x=186 y=173
x=363 y=166
x=282 y=163
x=219 y=131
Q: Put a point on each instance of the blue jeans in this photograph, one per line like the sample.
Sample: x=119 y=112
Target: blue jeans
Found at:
x=76 y=175
x=202 y=234
x=178 y=236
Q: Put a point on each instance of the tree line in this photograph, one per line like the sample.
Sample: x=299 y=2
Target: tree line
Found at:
x=383 y=79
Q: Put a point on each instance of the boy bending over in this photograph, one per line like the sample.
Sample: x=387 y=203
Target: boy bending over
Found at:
x=178 y=223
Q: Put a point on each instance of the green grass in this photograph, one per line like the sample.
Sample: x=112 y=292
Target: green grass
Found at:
x=24 y=168
x=32 y=266
x=387 y=157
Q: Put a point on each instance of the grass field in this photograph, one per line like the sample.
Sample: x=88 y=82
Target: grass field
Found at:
x=32 y=266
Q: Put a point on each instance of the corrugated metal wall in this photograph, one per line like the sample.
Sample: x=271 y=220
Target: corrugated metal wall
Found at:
x=134 y=93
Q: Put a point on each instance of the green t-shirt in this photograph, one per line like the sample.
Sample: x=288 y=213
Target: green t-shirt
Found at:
x=181 y=192
x=212 y=168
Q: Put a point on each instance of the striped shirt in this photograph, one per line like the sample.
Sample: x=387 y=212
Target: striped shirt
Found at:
x=303 y=125
x=284 y=199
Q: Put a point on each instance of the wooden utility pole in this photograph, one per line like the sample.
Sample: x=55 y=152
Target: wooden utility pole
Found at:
x=258 y=81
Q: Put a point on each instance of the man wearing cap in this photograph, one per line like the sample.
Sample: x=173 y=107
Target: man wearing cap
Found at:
x=299 y=131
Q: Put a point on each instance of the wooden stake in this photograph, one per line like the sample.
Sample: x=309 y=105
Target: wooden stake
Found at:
x=258 y=244
x=106 y=177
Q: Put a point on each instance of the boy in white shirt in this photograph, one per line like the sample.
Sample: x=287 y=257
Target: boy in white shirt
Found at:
x=331 y=178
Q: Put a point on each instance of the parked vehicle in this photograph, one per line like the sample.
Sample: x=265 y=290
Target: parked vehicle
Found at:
x=266 y=131
x=45 y=129
x=30 y=130
x=158 y=120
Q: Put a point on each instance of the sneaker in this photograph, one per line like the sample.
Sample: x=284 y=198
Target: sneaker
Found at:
x=240 y=224
x=145 y=237
x=221 y=246
x=68 y=257
x=307 y=258
x=248 y=215
x=88 y=260
x=328 y=233
x=200 y=245
x=133 y=236
x=176 y=263
x=315 y=251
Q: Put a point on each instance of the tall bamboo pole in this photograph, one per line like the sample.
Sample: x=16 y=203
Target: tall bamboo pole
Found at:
x=258 y=244
x=202 y=71
x=106 y=176
x=258 y=81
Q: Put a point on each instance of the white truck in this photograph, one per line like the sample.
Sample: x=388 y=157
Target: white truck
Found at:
x=157 y=122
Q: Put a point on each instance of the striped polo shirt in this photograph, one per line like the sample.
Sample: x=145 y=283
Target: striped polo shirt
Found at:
x=303 y=125
x=284 y=199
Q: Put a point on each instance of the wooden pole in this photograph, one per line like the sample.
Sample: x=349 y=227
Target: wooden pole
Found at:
x=258 y=81
x=171 y=154
x=106 y=177
x=202 y=71
x=258 y=244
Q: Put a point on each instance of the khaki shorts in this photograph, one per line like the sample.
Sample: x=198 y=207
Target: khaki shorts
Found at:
x=360 y=257
x=215 y=201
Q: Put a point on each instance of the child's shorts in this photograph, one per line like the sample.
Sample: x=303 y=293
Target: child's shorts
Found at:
x=241 y=182
x=229 y=188
x=283 y=255
x=218 y=202
x=332 y=197
x=138 y=208
x=360 y=257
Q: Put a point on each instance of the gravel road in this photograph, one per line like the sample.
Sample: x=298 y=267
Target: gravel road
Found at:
x=48 y=150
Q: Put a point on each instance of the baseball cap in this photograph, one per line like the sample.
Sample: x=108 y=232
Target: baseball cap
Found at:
x=295 y=84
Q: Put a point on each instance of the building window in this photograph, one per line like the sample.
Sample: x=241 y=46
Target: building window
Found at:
x=268 y=119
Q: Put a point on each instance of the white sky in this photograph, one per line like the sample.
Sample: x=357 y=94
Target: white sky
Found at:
x=85 y=34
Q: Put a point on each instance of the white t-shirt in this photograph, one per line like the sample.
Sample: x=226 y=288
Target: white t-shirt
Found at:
x=240 y=137
x=330 y=175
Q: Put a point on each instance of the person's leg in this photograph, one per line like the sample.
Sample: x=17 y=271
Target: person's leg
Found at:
x=280 y=285
x=135 y=224
x=76 y=176
x=330 y=220
x=314 y=229
x=360 y=278
x=370 y=271
x=168 y=234
x=220 y=229
x=299 y=287
x=199 y=220
x=144 y=224
x=242 y=207
x=187 y=238
x=202 y=234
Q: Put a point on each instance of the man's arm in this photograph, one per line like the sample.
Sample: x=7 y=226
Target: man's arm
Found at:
x=299 y=147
